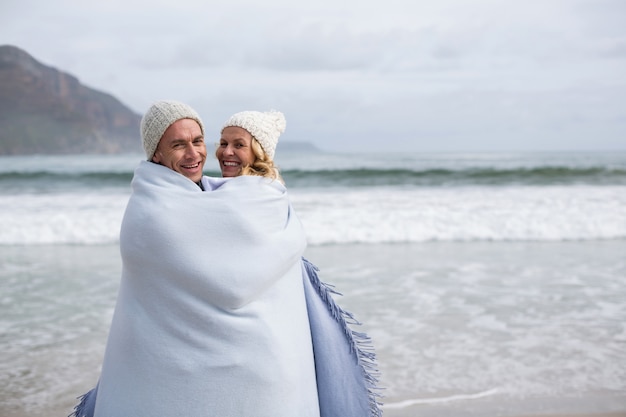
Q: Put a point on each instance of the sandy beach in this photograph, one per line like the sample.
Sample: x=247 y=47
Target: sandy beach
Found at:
x=66 y=407
x=54 y=354
x=63 y=411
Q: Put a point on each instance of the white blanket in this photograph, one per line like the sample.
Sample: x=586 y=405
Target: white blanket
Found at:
x=211 y=318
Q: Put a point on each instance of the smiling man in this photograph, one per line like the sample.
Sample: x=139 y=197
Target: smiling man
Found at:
x=173 y=136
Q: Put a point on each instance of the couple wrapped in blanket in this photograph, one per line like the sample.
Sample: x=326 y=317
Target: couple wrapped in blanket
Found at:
x=218 y=313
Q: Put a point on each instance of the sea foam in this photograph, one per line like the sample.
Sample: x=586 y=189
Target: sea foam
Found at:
x=362 y=215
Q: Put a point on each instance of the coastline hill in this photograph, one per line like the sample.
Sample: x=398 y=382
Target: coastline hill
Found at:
x=46 y=111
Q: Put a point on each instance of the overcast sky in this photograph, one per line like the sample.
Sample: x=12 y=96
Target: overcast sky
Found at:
x=350 y=75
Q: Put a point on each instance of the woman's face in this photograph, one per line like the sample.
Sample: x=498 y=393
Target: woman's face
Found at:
x=234 y=151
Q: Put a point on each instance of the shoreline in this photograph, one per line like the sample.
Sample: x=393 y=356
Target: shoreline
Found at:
x=54 y=345
x=416 y=412
x=489 y=404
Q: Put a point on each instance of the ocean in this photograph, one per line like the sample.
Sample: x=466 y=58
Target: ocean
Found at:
x=492 y=284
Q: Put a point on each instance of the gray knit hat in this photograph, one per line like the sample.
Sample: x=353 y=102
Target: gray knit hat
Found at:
x=266 y=127
x=159 y=117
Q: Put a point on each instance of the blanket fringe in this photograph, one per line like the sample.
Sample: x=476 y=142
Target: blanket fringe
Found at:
x=360 y=343
x=79 y=408
x=82 y=409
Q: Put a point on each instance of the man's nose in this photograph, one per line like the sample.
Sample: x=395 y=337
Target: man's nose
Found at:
x=190 y=150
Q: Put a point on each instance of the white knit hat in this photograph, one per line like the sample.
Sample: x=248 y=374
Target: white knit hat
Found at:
x=159 y=117
x=266 y=127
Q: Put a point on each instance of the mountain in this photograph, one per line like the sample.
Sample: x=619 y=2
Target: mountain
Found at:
x=46 y=111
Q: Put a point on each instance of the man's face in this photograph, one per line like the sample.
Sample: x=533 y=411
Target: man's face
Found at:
x=182 y=149
x=234 y=151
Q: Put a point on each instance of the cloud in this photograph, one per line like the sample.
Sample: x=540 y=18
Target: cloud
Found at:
x=448 y=74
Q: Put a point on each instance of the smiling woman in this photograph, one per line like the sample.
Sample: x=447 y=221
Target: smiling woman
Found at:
x=246 y=149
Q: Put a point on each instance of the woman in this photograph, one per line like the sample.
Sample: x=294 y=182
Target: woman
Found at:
x=344 y=360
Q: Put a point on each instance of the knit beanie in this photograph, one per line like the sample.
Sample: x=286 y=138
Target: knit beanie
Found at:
x=266 y=127
x=159 y=117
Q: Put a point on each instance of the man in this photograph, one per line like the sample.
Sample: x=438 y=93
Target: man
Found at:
x=211 y=317
x=173 y=136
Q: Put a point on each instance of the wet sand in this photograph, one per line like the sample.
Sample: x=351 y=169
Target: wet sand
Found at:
x=48 y=362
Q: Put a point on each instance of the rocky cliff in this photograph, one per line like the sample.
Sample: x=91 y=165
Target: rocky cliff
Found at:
x=46 y=111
